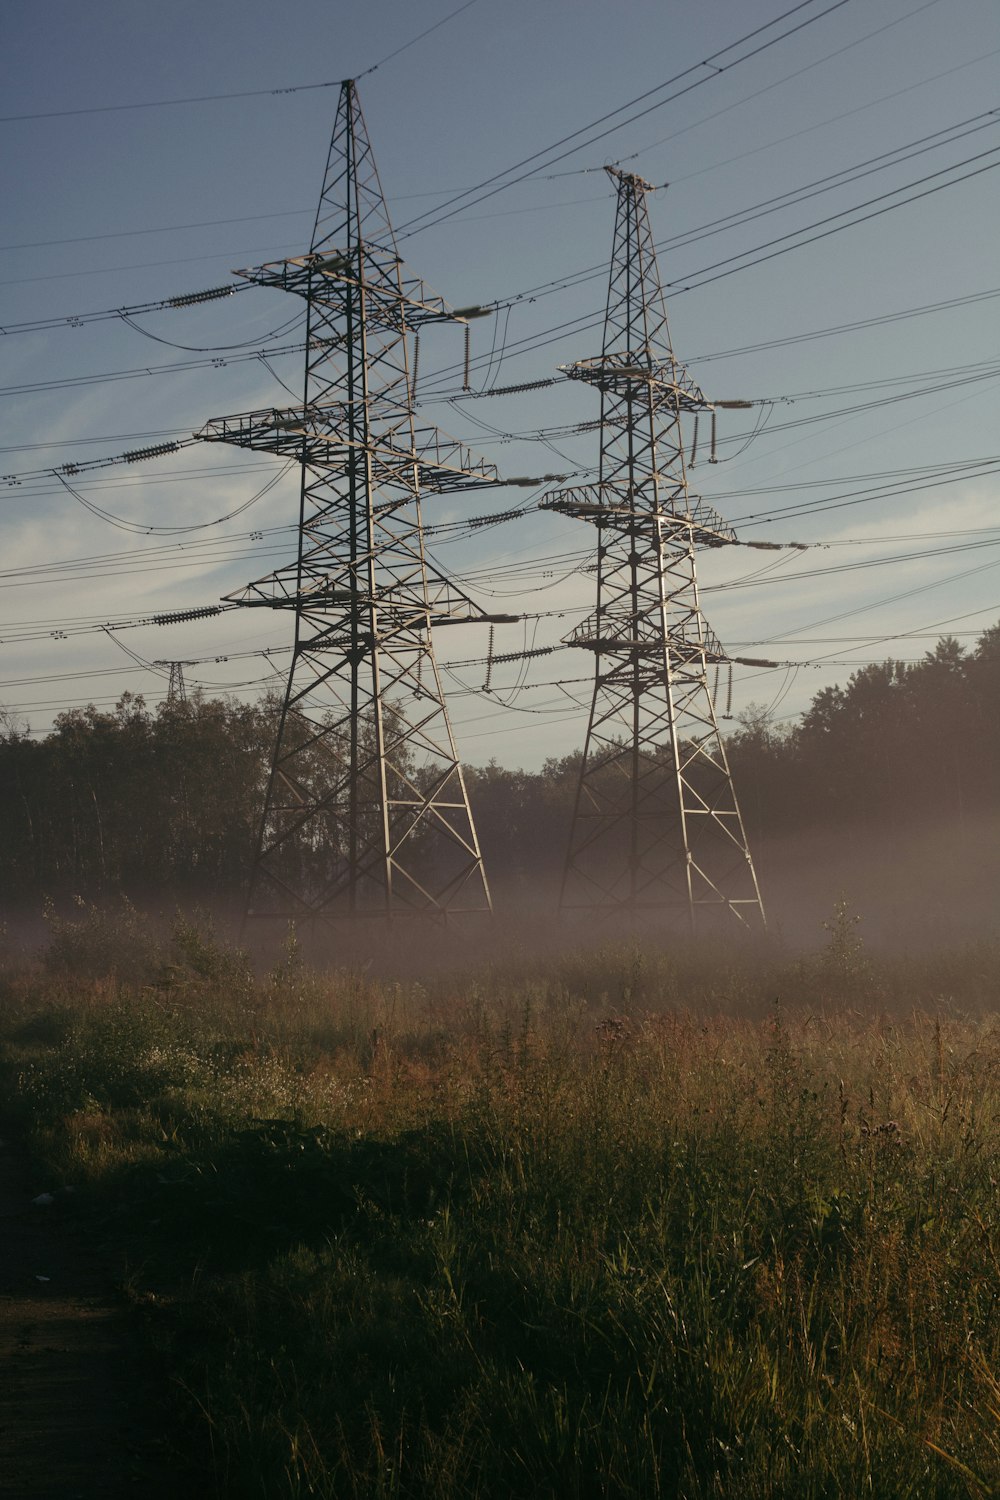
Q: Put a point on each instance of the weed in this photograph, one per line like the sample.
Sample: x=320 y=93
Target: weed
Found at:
x=612 y=1226
x=101 y=942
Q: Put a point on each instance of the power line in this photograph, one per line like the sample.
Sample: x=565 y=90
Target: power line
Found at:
x=578 y=324
x=922 y=470
x=833 y=180
x=578 y=171
x=860 y=323
x=435 y=216
x=414 y=40
x=704 y=279
x=592 y=273
x=298 y=88
x=212 y=362
x=145 y=265
x=922 y=554
x=123 y=234
x=89 y=625
x=31 y=481
x=808 y=508
x=122 y=524
x=787 y=78
x=162 y=304
x=590 y=320
x=74 y=442
x=108 y=109
x=846 y=114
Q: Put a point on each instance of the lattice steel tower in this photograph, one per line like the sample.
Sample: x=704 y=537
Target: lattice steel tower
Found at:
x=366 y=808
x=656 y=825
x=176 y=686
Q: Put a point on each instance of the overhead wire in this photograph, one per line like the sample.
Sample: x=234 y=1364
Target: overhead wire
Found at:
x=494 y=377
x=902 y=472
x=587 y=321
x=701 y=278
x=108 y=109
x=786 y=78
x=143 y=529
x=792 y=197
x=762 y=576
x=104 y=315
x=294 y=322
x=531 y=342
x=880 y=603
x=980 y=57
x=787 y=199
x=433 y=217
x=414 y=40
x=846 y=114
x=214 y=362
x=36 y=483
x=123 y=234
x=74 y=442
x=877 y=321
x=864 y=497
x=270 y=251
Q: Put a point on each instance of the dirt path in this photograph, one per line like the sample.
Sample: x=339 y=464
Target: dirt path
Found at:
x=74 y=1421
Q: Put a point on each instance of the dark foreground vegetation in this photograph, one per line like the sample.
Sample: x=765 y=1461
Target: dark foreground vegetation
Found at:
x=619 y=1223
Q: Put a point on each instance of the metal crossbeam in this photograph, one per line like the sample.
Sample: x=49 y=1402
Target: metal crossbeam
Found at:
x=315 y=434
x=700 y=524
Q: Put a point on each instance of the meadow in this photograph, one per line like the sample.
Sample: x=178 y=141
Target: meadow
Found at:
x=719 y=1224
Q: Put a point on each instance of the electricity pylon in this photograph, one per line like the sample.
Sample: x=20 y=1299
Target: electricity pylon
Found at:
x=176 y=687
x=656 y=825
x=366 y=810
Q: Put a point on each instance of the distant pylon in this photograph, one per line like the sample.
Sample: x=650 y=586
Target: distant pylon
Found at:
x=366 y=809
x=656 y=825
x=176 y=689
x=176 y=686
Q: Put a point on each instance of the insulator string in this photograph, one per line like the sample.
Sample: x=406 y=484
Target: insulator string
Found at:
x=489 y=662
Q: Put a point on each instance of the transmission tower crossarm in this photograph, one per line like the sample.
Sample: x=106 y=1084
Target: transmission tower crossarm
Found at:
x=313 y=433
x=667 y=381
x=607 y=504
x=309 y=275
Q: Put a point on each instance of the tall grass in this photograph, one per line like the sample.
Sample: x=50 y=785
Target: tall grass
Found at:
x=622 y=1223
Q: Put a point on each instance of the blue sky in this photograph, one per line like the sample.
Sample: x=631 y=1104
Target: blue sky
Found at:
x=109 y=207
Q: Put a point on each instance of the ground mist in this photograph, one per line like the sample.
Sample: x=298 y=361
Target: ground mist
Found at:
x=635 y=1221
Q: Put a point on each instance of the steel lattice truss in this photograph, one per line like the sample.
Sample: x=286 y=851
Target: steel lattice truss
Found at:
x=366 y=809
x=656 y=824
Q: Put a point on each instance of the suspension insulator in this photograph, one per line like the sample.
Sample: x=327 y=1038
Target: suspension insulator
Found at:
x=489 y=663
x=468 y=347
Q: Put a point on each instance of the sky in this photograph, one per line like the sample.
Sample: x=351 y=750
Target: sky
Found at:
x=827 y=240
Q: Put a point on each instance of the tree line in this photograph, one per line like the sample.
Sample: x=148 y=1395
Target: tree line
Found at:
x=164 y=804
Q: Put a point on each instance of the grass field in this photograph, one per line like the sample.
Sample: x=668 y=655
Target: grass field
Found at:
x=620 y=1223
